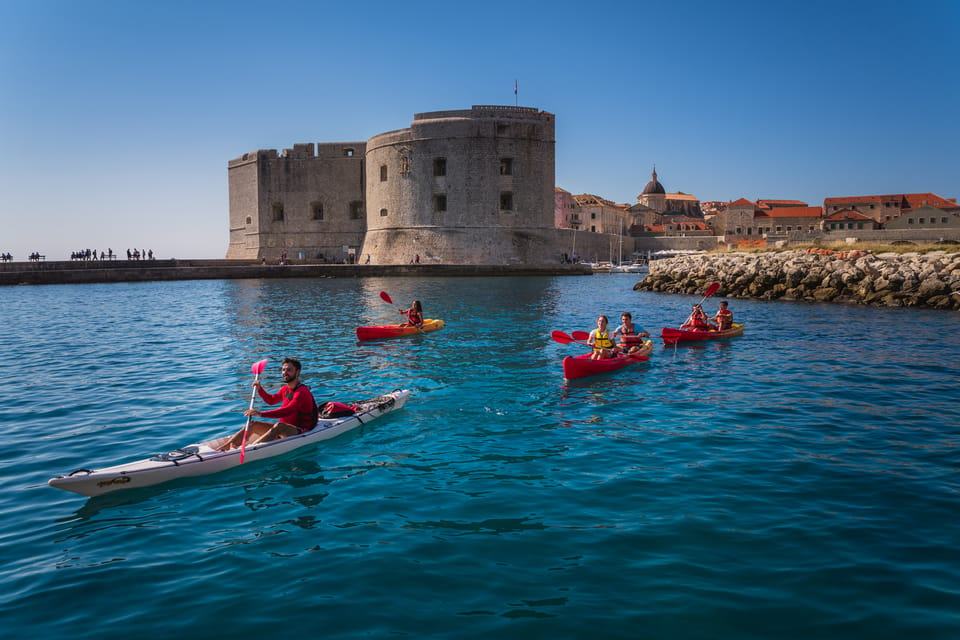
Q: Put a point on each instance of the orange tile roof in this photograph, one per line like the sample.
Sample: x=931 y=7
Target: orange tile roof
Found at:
x=915 y=200
x=770 y=204
x=741 y=202
x=848 y=214
x=792 y=212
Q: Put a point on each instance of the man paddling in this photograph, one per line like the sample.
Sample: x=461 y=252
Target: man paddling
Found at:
x=297 y=414
x=724 y=317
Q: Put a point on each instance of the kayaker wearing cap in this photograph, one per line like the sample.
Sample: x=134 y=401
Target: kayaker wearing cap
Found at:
x=724 y=317
x=297 y=414
x=697 y=321
x=600 y=340
x=630 y=339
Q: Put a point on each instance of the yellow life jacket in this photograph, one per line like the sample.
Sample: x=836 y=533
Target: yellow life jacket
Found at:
x=602 y=341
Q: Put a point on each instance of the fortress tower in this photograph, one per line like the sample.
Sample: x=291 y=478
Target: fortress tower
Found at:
x=463 y=187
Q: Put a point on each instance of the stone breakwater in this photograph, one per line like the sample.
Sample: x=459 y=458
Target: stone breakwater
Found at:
x=930 y=280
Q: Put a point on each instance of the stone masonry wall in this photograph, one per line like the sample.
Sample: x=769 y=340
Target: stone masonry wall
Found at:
x=929 y=280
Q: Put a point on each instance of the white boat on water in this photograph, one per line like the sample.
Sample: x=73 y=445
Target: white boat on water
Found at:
x=204 y=458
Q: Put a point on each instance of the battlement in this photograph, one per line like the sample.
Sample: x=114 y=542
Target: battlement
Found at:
x=482 y=111
x=304 y=150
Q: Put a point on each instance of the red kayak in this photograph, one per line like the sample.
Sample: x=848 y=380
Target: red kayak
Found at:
x=583 y=366
x=673 y=336
x=383 y=331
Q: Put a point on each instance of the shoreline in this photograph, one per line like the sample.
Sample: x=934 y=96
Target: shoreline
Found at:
x=920 y=280
x=90 y=272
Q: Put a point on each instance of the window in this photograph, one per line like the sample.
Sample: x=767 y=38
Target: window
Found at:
x=439 y=166
x=909 y=220
x=506 y=201
x=593 y=215
x=383 y=213
x=383 y=173
x=278 y=212
x=506 y=166
x=317 y=210
x=440 y=202
x=348 y=153
x=943 y=220
x=502 y=129
x=789 y=227
x=356 y=210
x=249 y=220
x=922 y=220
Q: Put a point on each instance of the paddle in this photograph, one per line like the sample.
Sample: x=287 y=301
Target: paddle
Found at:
x=562 y=338
x=257 y=369
x=386 y=298
x=712 y=289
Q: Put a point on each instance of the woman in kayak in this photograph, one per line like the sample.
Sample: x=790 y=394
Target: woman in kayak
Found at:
x=599 y=339
x=630 y=339
x=414 y=315
x=697 y=321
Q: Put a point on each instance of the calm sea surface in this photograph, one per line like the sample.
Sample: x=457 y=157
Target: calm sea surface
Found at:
x=801 y=481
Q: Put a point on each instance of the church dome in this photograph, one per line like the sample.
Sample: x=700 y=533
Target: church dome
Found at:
x=654 y=186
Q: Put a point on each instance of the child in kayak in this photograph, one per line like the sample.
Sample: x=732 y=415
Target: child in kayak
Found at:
x=599 y=339
x=630 y=338
x=414 y=315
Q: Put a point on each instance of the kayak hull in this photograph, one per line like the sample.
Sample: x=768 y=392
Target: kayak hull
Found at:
x=203 y=459
x=386 y=331
x=673 y=336
x=582 y=366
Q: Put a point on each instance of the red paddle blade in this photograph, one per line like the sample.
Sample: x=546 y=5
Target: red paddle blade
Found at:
x=712 y=289
x=581 y=335
x=258 y=367
x=561 y=337
x=385 y=297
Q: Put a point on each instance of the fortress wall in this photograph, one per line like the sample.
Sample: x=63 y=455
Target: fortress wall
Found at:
x=466 y=246
x=307 y=199
x=473 y=224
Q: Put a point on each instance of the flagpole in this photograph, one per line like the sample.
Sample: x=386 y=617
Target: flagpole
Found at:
x=516 y=98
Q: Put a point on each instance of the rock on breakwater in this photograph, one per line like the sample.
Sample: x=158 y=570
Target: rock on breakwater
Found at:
x=857 y=277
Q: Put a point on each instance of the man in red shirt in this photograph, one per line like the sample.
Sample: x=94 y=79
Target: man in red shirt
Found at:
x=297 y=414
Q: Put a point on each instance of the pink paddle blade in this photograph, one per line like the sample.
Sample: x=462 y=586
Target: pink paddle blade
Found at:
x=258 y=367
x=561 y=337
x=580 y=335
x=385 y=297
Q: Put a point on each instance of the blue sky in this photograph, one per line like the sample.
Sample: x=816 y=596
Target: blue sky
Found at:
x=117 y=119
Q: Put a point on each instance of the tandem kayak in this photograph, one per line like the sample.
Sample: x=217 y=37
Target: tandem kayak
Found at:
x=673 y=336
x=380 y=332
x=583 y=366
x=204 y=459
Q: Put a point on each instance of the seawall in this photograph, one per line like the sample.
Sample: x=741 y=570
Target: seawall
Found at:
x=927 y=280
x=70 y=272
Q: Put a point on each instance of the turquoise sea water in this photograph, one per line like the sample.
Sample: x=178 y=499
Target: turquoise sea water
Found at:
x=800 y=481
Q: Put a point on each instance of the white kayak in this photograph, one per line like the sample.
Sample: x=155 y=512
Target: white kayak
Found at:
x=203 y=458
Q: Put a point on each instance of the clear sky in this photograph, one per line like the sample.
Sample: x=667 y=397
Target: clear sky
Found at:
x=118 y=118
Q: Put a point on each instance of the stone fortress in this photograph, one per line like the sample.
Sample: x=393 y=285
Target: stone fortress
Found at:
x=457 y=187
x=476 y=187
